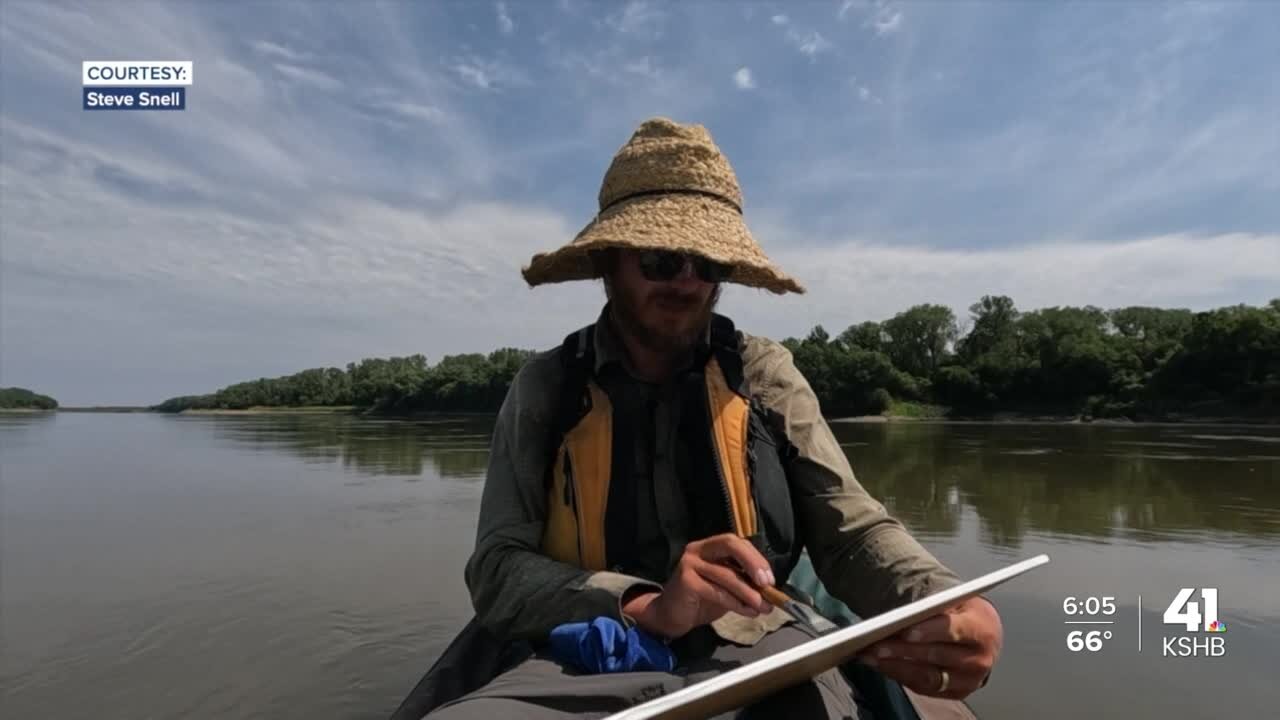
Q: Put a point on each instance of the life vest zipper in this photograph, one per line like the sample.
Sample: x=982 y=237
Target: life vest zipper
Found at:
x=571 y=499
x=724 y=482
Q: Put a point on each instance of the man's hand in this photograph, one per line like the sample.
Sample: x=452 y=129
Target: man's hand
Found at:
x=963 y=642
x=703 y=587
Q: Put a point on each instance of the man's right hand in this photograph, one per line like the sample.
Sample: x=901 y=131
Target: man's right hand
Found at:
x=704 y=586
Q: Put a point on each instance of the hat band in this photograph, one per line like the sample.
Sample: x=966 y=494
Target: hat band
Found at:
x=675 y=191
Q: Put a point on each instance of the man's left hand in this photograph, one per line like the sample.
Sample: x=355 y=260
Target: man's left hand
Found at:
x=948 y=655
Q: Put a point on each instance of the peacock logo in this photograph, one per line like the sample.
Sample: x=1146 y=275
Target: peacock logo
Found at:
x=1217 y=626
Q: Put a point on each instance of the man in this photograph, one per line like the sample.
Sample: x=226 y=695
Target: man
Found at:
x=660 y=467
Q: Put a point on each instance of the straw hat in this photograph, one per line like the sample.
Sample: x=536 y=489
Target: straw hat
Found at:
x=668 y=188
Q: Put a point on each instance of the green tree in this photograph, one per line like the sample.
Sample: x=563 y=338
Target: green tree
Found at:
x=16 y=398
x=994 y=324
x=1074 y=354
x=863 y=336
x=919 y=338
x=959 y=387
x=1230 y=354
x=1129 y=361
x=848 y=379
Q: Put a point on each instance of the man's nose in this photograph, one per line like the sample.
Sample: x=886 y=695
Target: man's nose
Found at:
x=687 y=279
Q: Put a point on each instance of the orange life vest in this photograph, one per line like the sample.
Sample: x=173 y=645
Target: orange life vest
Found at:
x=751 y=473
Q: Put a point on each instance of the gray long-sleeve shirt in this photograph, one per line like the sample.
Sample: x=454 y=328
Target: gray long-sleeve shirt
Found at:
x=863 y=556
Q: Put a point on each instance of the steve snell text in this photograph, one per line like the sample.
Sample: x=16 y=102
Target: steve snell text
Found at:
x=144 y=98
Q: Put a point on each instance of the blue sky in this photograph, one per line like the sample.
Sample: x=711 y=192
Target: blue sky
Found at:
x=366 y=179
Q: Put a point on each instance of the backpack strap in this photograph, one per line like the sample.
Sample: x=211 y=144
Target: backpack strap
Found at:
x=728 y=352
x=577 y=363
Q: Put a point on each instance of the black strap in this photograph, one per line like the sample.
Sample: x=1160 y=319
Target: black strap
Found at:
x=577 y=362
x=725 y=346
x=578 y=359
x=723 y=332
x=675 y=191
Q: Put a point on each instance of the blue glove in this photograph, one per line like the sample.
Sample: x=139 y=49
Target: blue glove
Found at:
x=604 y=646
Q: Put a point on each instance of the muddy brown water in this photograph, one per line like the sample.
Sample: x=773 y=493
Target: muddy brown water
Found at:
x=311 y=566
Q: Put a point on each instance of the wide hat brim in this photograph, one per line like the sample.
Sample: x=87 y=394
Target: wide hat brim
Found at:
x=681 y=222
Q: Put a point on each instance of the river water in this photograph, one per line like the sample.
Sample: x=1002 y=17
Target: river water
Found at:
x=311 y=566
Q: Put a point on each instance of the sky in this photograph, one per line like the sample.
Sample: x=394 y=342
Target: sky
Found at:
x=366 y=179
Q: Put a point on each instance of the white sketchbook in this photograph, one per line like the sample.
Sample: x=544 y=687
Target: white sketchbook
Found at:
x=742 y=686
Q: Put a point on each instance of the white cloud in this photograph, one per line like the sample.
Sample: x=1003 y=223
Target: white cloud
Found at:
x=881 y=15
x=505 y=24
x=308 y=76
x=887 y=21
x=603 y=65
x=743 y=80
x=474 y=75
x=29 y=147
x=269 y=48
x=379 y=272
x=637 y=18
x=860 y=280
x=643 y=67
x=810 y=44
x=415 y=111
x=489 y=74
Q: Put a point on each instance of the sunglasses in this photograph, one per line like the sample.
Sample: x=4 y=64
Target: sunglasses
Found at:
x=665 y=265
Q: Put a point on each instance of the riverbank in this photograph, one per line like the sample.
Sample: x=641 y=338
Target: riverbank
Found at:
x=1016 y=418
x=269 y=410
x=106 y=409
x=899 y=413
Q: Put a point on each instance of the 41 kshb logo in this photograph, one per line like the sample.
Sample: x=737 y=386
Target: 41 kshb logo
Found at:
x=1186 y=612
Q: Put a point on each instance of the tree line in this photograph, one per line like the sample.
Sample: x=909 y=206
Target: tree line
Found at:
x=16 y=398
x=471 y=382
x=1136 y=362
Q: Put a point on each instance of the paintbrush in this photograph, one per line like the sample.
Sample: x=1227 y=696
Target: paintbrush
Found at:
x=808 y=619
x=777 y=598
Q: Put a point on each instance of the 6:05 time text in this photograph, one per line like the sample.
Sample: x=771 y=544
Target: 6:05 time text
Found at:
x=1105 y=605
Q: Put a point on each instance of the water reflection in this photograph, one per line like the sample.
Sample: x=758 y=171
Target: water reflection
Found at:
x=16 y=427
x=1092 y=483
x=1089 y=482
x=455 y=447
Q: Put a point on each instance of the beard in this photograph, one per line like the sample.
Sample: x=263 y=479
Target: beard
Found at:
x=662 y=337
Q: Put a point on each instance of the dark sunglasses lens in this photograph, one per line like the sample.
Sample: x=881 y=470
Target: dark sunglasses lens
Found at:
x=664 y=265
x=711 y=271
x=660 y=265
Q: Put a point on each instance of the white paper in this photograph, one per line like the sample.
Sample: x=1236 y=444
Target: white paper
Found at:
x=744 y=685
